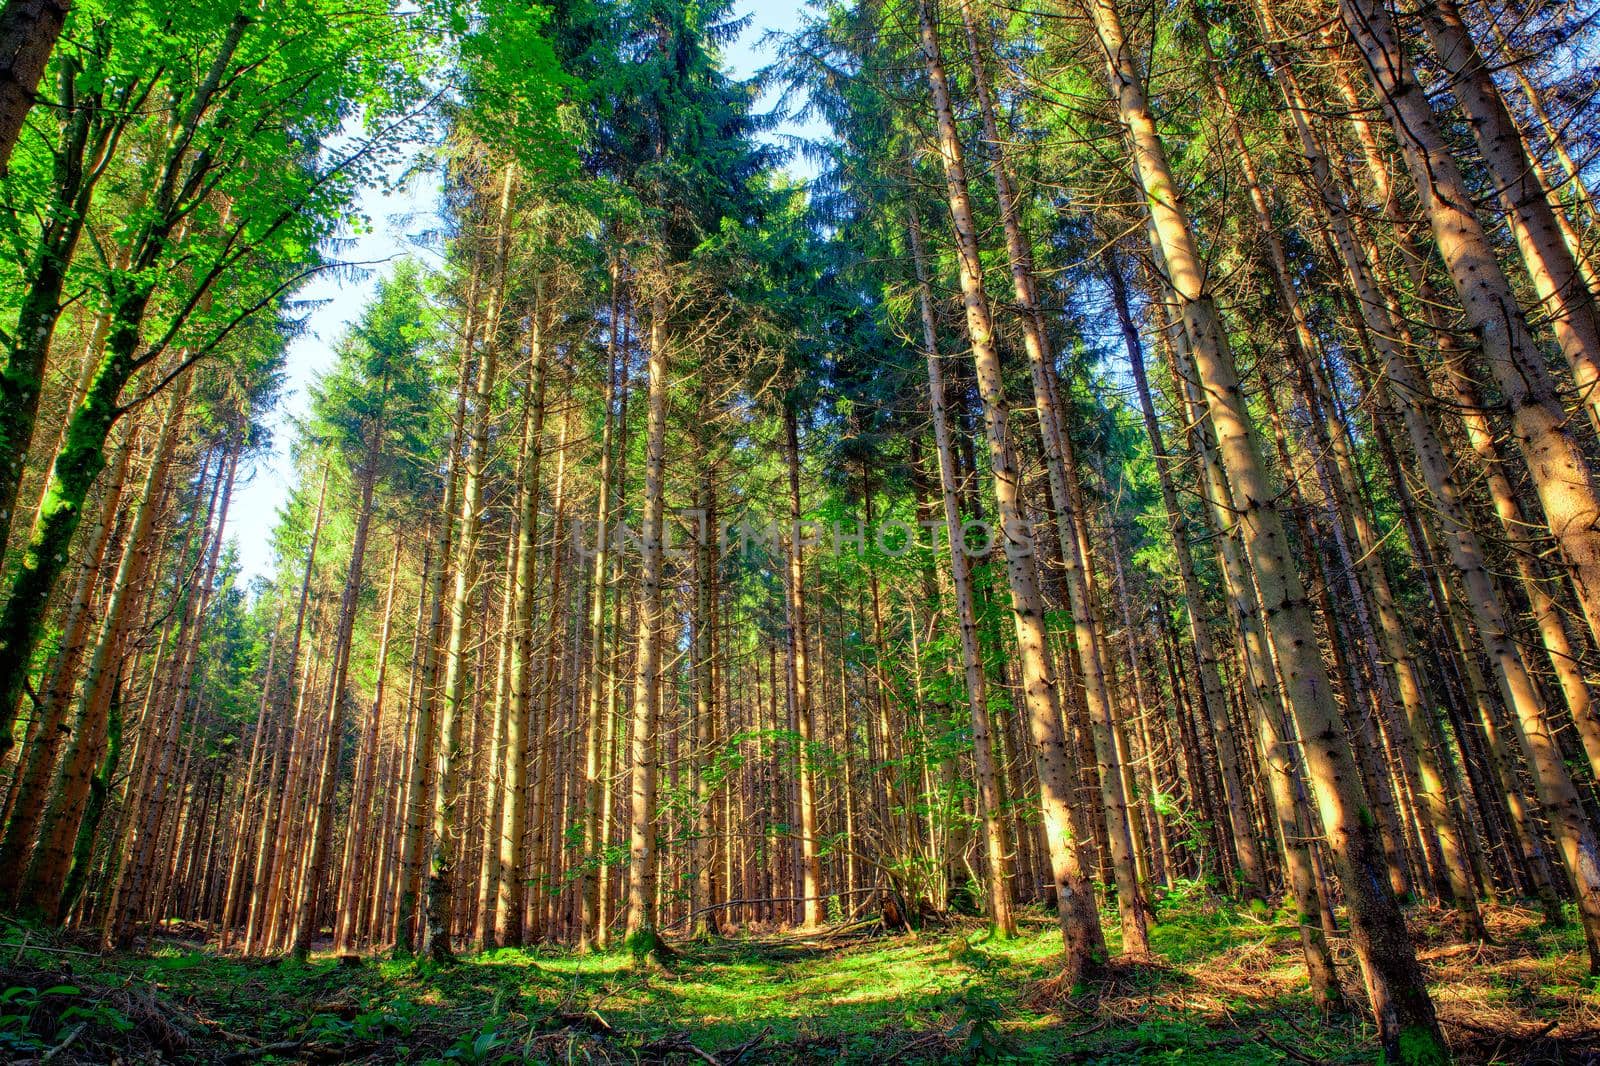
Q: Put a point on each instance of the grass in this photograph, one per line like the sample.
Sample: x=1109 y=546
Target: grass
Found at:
x=1221 y=987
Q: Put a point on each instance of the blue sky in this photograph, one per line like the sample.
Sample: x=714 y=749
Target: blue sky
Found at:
x=392 y=214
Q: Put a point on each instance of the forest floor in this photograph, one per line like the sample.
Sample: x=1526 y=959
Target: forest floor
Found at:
x=1222 y=986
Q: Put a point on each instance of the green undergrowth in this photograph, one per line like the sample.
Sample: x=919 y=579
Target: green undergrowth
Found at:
x=1222 y=986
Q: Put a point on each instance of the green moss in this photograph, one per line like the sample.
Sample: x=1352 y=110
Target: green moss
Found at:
x=1420 y=1046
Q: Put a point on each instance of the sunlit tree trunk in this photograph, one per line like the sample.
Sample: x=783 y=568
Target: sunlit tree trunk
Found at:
x=246 y=828
x=705 y=920
x=997 y=839
x=70 y=791
x=598 y=717
x=643 y=906
x=30 y=791
x=332 y=720
x=1061 y=466
x=1561 y=474
x=351 y=884
x=1381 y=330
x=1571 y=173
x=267 y=866
x=798 y=650
x=513 y=812
x=1400 y=1000
x=1564 y=296
x=447 y=833
x=1277 y=756
x=1080 y=924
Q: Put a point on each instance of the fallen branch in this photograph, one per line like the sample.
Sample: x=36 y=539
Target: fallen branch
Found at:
x=59 y=1048
x=732 y=1056
x=588 y=1019
x=282 y=1047
x=1537 y=1034
x=680 y=1045
x=1293 y=1053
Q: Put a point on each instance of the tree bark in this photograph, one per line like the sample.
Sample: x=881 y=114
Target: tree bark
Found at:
x=643 y=913
x=997 y=839
x=1562 y=475
x=1080 y=924
x=28 y=33
x=797 y=648
x=1407 y=1026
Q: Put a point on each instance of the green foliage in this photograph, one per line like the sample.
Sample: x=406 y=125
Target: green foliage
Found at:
x=31 y=1018
x=479 y=1050
x=978 y=1027
x=376 y=408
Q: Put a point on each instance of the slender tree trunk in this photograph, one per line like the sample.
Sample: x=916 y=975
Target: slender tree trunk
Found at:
x=996 y=838
x=58 y=829
x=1277 y=757
x=513 y=812
x=798 y=649
x=643 y=907
x=30 y=791
x=1080 y=924
x=545 y=812
x=598 y=718
x=1564 y=296
x=447 y=834
x=1407 y=1026
x=244 y=830
x=1562 y=475
x=332 y=721
x=1061 y=467
x=1418 y=716
x=352 y=881
x=706 y=922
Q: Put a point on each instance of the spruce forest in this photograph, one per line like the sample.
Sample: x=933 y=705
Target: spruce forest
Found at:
x=1004 y=531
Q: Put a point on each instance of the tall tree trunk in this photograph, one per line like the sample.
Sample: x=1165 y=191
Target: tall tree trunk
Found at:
x=332 y=721
x=447 y=776
x=545 y=813
x=1564 y=296
x=1381 y=330
x=643 y=907
x=996 y=838
x=597 y=711
x=245 y=829
x=799 y=665
x=1407 y=1026
x=85 y=139
x=1562 y=475
x=1070 y=519
x=137 y=898
x=513 y=812
x=30 y=790
x=269 y=861
x=58 y=830
x=706 y=921
x=1277 y=756
x=358 y=830
x=1080 y=924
